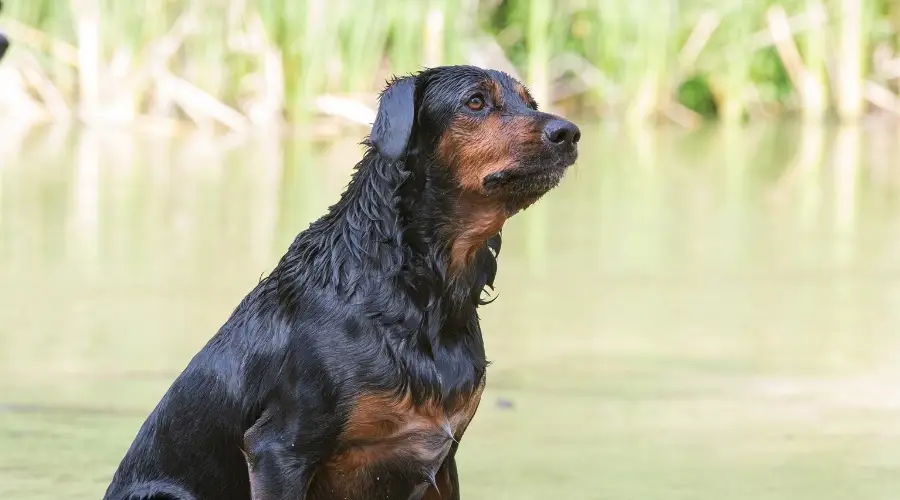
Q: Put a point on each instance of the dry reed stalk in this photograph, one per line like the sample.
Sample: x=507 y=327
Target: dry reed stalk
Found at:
x=762 y=39
x=50 y=96
x=790 y=56
x=815 y=98
x=587 y=77
x=315 y=48
x=484 y=51
x=347 y=109
x=273 y=71
x=890 y=70
x=17 y=99
x=881 y=96
x=157 y=55
x=36 y=39
x=87 y=29
x=203 y=107
x=849 y=59
x=268 y=82
x=434 y=37
x=538 y=32
x=700 y=35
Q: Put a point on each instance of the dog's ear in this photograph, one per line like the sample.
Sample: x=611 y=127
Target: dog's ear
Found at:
x=396 y=116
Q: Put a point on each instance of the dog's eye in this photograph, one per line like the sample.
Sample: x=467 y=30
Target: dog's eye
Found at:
x=475 y=103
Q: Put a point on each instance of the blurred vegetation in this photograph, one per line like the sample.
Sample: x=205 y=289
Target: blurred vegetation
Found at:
x=237 y=62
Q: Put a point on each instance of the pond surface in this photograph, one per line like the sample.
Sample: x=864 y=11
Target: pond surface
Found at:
x=701 y=316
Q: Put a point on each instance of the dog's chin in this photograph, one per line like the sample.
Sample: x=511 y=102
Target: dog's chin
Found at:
x=522 y=185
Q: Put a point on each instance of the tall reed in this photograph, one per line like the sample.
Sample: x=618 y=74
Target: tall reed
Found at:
x=850 y=58
x=232 y=61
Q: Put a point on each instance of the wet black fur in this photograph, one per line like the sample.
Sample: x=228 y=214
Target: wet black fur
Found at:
x=363 y=300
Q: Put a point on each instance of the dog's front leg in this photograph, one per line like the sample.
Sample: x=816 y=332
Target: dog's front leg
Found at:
x=281 y=456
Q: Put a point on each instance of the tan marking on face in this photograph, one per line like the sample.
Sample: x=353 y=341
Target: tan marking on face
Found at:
x=473 y=148
x=477 y=147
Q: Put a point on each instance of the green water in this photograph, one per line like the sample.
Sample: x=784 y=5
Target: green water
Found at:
x=704 y=316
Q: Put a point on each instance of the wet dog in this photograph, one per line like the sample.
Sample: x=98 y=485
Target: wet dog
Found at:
x=352 y=371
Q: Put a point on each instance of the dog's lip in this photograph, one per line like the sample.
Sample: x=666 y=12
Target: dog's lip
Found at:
x=520 y=173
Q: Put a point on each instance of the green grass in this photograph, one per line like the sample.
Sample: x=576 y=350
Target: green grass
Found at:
x=597 y=57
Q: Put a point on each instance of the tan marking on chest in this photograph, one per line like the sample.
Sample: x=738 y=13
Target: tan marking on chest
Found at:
x=384 y=426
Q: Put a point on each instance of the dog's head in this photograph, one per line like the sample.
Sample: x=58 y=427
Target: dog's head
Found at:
x=483 y=126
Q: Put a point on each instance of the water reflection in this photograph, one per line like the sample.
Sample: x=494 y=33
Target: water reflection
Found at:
x=685 y=307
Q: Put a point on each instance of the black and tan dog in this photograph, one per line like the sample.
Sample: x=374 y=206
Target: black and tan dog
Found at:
x=352 y=371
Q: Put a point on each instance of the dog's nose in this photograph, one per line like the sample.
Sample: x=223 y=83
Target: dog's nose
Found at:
x=561 y=132
x=4 y=44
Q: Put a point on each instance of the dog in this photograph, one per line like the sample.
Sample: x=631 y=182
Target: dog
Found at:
x=353 y=369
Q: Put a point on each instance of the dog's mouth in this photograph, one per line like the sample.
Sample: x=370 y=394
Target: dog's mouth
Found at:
x=532 y=178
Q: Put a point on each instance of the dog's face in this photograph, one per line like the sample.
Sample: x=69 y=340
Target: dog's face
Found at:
x=484 y=126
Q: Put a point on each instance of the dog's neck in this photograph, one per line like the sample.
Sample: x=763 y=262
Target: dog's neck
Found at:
x=402 y=226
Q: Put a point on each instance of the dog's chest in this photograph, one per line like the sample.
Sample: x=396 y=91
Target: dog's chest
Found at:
x=392 y=447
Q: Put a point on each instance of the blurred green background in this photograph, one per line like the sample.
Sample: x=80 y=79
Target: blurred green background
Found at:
x=707 y=308
x=224 y=61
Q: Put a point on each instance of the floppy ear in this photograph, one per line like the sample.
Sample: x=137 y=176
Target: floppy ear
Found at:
x=394 y=122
